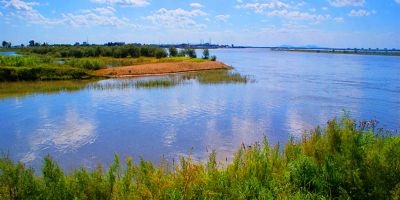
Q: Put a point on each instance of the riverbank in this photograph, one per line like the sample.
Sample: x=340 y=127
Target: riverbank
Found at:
x=345 y=160
x=37 y=67
x=162 y=68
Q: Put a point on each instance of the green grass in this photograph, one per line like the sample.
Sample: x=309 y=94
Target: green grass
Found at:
x=29 y=68
x=218 y=76
x=344 y=160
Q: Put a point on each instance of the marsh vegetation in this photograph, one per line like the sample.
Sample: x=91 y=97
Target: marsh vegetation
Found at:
x=80 y=62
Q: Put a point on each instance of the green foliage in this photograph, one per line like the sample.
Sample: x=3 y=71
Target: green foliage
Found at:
x=191 y=53
x=41 y=73
x=342 y=161
x=206 y=54
x=173 y=52
x=96 y=51
x=161 y=53
x=29 y=68
x=85 y=63
x=213 y=58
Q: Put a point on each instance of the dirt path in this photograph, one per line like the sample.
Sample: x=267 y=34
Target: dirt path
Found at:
x=161 y=68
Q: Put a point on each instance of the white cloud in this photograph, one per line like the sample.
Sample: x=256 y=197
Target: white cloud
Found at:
x=103 y=11
x=397 y=1
x=24 y=10
x=297 y=15
x=196 y=5
x=176 y=19
x=1 y=14
x=88 y=17
x=96 y=17
x=360 y=13
x=338 y=19
x=343 y=3
x=260 y=7
x=223 y=18
x=19 y=5
x=135 y=3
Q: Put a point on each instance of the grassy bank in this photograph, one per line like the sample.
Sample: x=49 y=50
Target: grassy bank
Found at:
x=345 y=160
x=18 y=68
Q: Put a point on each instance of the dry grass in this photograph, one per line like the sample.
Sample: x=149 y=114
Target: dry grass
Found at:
x=161 y=68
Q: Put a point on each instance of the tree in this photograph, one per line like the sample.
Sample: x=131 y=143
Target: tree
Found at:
x=173 y=52
x=206 y=54
x=32 y=43
x=6 y=44
x=161 y=53
x=191 y=53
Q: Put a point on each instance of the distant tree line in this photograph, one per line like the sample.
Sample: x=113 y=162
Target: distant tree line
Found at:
x=97 y=51
x=116 y=50
x=108 y=51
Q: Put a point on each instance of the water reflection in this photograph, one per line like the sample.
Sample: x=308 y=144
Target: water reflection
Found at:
x=63 y=137
x=18 y=89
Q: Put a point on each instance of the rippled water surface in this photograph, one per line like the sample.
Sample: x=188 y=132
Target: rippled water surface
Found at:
x=84 y=123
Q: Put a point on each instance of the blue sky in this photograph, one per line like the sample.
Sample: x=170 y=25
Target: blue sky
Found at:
x=328 y=23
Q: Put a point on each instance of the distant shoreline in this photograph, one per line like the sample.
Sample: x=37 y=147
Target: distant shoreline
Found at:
x=343 y=51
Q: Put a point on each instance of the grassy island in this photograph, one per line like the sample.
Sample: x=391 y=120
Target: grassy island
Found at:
x=83 y=62
x=345 y=160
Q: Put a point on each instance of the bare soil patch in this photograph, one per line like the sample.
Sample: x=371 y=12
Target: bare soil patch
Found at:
x=161 y=68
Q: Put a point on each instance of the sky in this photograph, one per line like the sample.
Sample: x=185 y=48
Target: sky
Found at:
x=324 y=23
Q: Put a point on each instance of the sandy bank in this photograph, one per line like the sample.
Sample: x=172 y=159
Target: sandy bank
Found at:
x=162 y=68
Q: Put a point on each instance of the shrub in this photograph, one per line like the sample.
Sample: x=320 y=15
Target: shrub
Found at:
x=173 y=52
x=206 y=54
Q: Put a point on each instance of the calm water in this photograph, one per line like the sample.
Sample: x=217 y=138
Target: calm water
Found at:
x=292 y=92
x=9 y=53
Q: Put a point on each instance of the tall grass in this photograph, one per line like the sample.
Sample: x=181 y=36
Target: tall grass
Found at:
x=218 y=76
x=345 y=160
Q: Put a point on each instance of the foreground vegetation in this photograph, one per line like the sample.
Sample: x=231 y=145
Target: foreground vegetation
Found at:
x=346 y=160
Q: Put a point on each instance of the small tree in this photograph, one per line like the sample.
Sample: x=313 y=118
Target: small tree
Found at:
x=213 y=58
x=4 y=44
x=173 y=52
x=182 y=53
x=32 y=43
x=161 y=53
x=191 y=53
x=206 y=54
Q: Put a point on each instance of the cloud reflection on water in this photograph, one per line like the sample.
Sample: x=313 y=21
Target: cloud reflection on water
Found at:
x=66 y=136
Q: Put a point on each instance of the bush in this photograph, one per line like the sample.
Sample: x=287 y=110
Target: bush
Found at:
x=91 y=64
x=191 y=53
x=173 y=52
x=161 y=53
x=206 y=54
x=41 y=73
x=213 y=58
